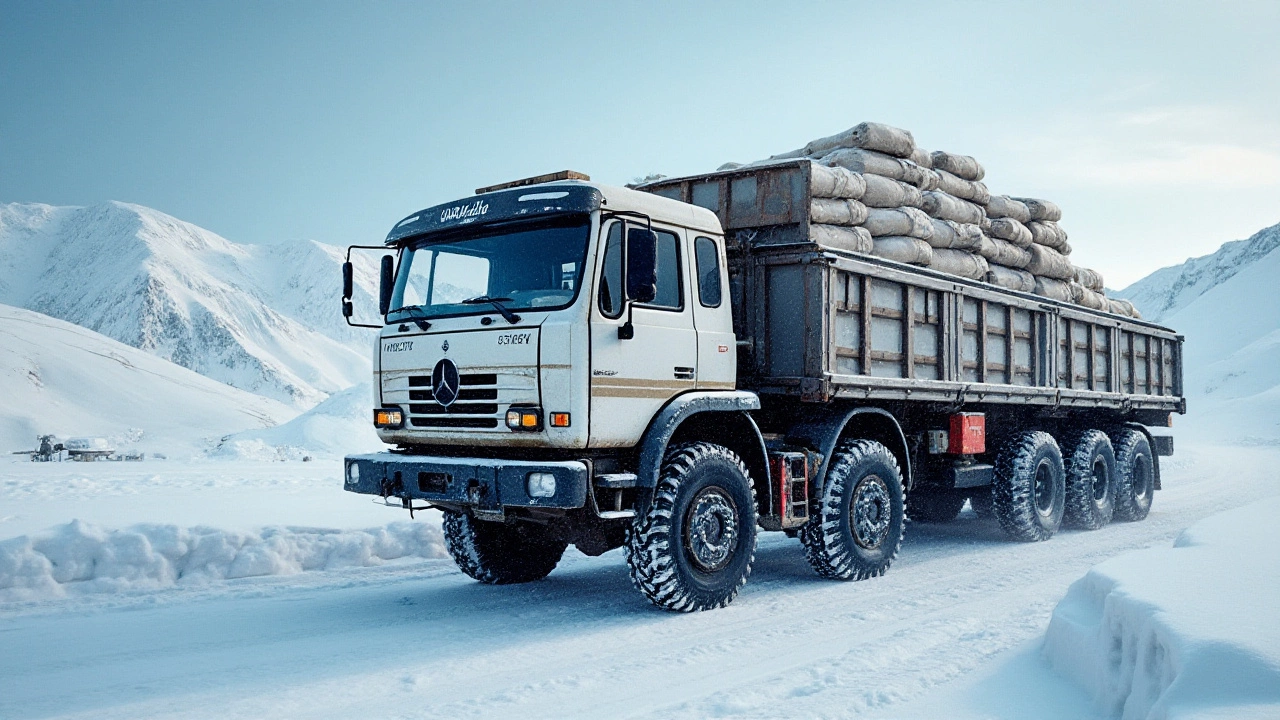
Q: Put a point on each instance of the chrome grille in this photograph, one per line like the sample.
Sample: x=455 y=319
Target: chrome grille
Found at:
x=425 y=413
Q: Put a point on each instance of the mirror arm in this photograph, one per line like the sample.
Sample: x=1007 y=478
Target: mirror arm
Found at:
x=626 y=330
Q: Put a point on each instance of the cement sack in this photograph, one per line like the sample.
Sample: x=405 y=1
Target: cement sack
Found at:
x=883 y=192
x=1011 y=278
x=922 y=157
x=835 y=182
x=961 y=165
x=1041 y=209
x=948 y=207
x=1003 y=252
x=1011 y=230
x=829 y=211
x=907 y=221
x=1123 y=307
x=849 y=239
x=868 y=136
x=1003 y=206
x=959 y=262
x=1048 y=233
x=903 y=249
x=1047 y=262
x=928 y=180
x=877 y=163
x=954 y=235
x=1091 y=279
x=974 y=192
x=1082 y=295
x=1055 y=289
x=985 y=223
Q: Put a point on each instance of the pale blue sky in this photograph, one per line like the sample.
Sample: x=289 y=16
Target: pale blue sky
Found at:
x=1155 y=125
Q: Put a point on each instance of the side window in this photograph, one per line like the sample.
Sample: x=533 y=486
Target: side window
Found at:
x=611 y=273
x=708 y=260
x=669 y=290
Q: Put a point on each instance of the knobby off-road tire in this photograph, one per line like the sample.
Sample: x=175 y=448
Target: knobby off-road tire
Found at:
x=857 y=531
x=1091 y=481
x=940 y=506
x=692 y=550
x=1029 y=489
x=1135 y=474
x=499 y=554
x=983 y=503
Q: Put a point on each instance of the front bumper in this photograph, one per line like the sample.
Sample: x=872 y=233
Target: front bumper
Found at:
x=483 y=484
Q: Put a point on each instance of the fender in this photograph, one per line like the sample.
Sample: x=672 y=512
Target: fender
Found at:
x=653 y=445
x=823 y=429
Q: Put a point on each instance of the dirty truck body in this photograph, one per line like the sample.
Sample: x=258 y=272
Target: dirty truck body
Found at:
x=674 y=368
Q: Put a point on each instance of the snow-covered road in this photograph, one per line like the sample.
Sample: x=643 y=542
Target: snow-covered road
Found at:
x=417 y=639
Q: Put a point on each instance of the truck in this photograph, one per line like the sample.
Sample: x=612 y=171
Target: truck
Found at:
x=674 y=367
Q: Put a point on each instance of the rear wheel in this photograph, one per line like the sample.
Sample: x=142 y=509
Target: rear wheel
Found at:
x=1091 y=481
x=858 y=530
x=692 y=550
x=499 y=554
x=1135 y=475
x=1029 y=490
x=939 y=506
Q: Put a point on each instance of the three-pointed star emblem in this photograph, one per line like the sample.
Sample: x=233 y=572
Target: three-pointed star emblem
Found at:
x=445 y=382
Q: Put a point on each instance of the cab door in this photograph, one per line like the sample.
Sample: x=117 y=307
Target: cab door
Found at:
x=632 y=379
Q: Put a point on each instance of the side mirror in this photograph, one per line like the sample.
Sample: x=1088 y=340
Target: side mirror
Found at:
x=347 y=283
x=642 y=265
x=386 y=284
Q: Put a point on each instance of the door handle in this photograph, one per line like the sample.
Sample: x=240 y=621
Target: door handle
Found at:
x=684 y=373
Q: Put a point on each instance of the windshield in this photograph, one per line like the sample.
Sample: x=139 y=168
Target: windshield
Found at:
x=537 y=266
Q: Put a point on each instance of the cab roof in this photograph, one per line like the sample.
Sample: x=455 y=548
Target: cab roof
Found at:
x=548 y=199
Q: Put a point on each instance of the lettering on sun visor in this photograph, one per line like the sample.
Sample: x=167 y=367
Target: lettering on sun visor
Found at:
x=459 y=212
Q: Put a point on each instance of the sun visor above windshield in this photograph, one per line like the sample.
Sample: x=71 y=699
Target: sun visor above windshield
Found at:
x=527 y=202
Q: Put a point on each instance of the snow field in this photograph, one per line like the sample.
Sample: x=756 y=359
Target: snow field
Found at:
x=80 y=558
x=1182 y=631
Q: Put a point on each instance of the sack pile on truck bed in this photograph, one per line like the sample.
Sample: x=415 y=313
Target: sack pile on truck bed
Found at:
x=876 y=192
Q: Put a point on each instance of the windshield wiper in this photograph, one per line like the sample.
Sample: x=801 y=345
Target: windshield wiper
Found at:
x=497 y=303
x=419 y=319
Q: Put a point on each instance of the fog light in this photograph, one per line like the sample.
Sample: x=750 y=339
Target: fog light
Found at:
x=353 y=474
x=541 y=484
x=388 y=417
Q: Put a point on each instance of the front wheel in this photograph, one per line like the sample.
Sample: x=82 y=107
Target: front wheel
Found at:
x=499 y=554
x=857 y=531
x=692 y=550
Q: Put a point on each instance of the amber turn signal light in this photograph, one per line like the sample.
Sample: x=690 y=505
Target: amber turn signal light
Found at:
x=559 y=419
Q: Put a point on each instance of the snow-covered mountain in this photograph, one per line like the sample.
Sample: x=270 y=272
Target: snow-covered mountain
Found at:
x=1167 y=290
x=260 y=318
x=62 y=379
x=1227 y=306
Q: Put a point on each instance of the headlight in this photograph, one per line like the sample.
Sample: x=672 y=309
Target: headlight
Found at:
x=388 y=417
x=524 y=418
x=541 y=484
x=353 y=473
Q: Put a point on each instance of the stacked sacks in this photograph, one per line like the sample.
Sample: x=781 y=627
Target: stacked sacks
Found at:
x=835 y=210
x=904 y=203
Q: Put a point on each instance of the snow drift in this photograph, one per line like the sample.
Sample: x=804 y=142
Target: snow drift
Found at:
x=60 y=378
x=261 y=318
x=341 y=424
x=80 y=558
x=1187 y=631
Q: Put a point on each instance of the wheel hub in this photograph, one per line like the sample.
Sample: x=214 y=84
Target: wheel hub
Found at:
x=871 y=513
x=1101 y=481
x=711 y=530
x=1044 y=488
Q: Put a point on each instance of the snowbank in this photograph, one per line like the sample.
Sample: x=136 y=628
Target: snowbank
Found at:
x=80 y=558
x=341 y=424
x=1187 y=631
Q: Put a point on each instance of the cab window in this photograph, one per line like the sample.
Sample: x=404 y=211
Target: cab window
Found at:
x=708 y=260
x=611 y=273
x=670 y=293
